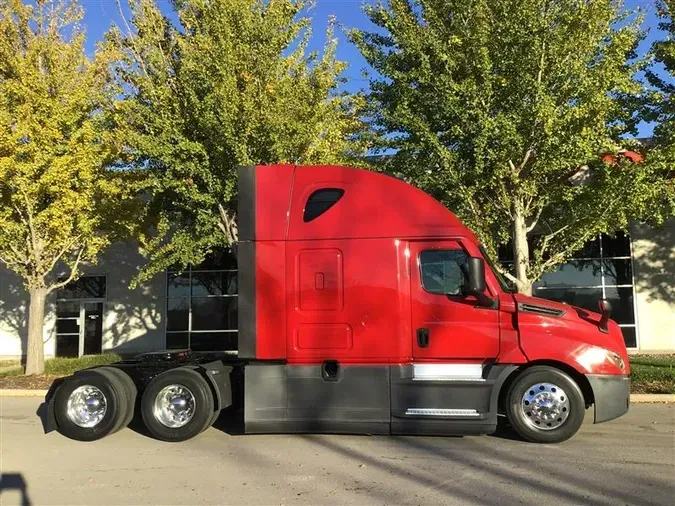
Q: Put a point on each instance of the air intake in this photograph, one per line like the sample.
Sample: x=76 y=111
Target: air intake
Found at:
x=540 y=310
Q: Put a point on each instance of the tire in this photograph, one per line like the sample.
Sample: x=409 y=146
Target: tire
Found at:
x=181 y=384
x=130 y=390
x=213 y=419
x=553 y=400
x=113 y=395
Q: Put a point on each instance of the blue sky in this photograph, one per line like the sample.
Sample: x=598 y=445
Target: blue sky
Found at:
x=100 y=14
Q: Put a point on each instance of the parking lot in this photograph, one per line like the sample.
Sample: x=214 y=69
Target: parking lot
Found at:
x=627 y=461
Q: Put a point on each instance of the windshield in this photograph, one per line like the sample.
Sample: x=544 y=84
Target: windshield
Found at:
x=504 y=283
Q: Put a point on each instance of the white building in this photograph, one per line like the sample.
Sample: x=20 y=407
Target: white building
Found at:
x=198 y=308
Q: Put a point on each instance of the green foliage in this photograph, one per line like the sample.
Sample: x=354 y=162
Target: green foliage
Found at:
x=499 y=107
x=232 y=84
x=662 y=110
x=653 y=373
x=56 y=197
x=67 y=366
x=17 y=371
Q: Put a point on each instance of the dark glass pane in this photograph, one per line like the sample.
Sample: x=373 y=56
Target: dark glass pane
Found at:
x=442 y=272
x=93 y=328
x=67 y=346
x=214 y=283
x=618 y=272
x=321 y=201
x=221 y=259
x=616 y=246
x=67 y=309
x=582 y=297
x=215 y=313
x=177 y=341
x=505 y=252
x=213 y=341
x=590 y=250
x=622 y=304
x=629 y=337
x=178 y=285
x=70 y=326
x=573 y=273
x=87 y=287
x=177 y=314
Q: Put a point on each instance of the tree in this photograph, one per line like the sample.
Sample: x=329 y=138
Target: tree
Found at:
x=500 y=107
x=55 y=195
x=230 y=84
x=662 y=156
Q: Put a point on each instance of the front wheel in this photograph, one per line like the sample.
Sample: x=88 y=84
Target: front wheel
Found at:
x=545 y=405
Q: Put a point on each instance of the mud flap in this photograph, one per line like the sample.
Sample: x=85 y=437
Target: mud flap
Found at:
x=46 y=409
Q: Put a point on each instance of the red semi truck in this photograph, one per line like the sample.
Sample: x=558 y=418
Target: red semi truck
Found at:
x=365 y=306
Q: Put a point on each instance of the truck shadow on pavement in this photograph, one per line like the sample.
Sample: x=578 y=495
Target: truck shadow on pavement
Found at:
x=14 y=481
x=480 y=470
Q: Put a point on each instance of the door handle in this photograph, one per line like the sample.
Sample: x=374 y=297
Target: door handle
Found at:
x=422 y=338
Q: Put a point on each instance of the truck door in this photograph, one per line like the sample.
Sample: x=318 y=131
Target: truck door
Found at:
x=446 y=323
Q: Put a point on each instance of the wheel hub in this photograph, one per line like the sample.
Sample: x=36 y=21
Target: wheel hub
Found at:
x=545 y=406
x=86 y=406
x=174 y=406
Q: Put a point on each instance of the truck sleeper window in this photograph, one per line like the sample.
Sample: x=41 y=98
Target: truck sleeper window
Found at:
x=321 y=201
x=442 y=271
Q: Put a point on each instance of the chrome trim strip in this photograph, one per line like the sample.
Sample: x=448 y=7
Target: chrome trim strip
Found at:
x=447 y=372
x=441 y=412
x=449 y=379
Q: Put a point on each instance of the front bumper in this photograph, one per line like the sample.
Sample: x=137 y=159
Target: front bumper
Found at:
x=611 y=394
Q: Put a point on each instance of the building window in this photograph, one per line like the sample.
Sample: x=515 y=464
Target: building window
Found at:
x=601 y=269
x=79 y=317
x=202 y=306
x=321 y=201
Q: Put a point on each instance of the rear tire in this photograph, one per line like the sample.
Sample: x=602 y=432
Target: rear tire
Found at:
x=177 y=405
x=130 y=390
x=545 y=405
x=89 y=405
x=213 y=419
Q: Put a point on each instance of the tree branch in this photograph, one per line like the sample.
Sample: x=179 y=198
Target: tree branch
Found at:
x=228 y=225
x=508 y=275
x=534 y=222
x=132 y=39
x=548 y=237
x=63 y=251
x=71 y=277
x=37 y=249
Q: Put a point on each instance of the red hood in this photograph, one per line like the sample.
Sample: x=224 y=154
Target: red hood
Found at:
x=570 y=311
x=548 y=328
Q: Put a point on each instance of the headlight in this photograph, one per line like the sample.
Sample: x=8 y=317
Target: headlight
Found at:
x=616 y=359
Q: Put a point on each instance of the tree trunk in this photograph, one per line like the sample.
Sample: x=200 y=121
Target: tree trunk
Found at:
x=35 y=356
x=521 y=250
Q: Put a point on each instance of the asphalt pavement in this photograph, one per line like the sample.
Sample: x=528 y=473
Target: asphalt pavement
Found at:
x=626 y=461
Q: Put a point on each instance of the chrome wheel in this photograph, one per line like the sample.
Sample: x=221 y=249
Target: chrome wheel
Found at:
x=174 y=406
x=86 y=406
x=545 y=406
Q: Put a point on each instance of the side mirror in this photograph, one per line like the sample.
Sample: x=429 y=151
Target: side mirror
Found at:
x=476 y=275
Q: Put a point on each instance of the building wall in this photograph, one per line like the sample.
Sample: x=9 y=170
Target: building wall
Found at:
x=133 y=319
x=14 y=317
x=654 y=273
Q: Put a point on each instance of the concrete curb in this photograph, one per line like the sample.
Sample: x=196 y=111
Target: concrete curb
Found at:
x=634 y=398
x=651 y=398
x=22 y=393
